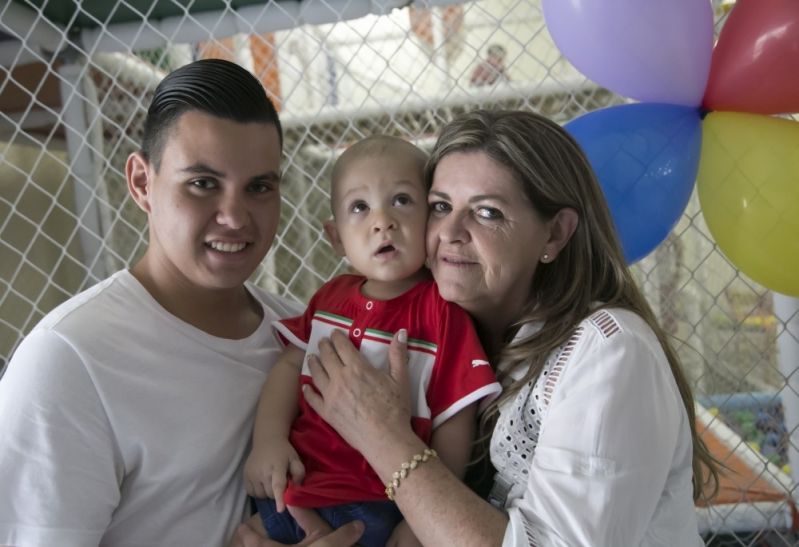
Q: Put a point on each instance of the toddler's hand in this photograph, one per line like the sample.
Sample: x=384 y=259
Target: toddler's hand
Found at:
x=267 y=468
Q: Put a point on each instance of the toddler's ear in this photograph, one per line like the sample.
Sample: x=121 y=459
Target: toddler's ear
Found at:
x=331 y=232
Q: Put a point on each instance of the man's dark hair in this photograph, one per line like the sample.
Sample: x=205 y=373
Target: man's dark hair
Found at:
x=213 y=86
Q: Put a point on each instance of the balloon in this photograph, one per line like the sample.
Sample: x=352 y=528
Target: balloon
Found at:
x=646 y=157
x=650 y=50
x=748 y=187
x=755 y=66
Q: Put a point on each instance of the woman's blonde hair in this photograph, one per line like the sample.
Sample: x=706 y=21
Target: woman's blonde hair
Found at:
x=555 y=173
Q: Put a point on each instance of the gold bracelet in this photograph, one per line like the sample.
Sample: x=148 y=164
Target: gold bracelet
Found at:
x=406 y=468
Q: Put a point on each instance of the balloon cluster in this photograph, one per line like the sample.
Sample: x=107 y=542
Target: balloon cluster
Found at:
x=704 y=116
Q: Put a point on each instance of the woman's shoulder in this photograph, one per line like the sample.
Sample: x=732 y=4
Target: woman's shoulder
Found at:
x=611 y=350
x=610 y=341
x=616 y=342
x=614 y=326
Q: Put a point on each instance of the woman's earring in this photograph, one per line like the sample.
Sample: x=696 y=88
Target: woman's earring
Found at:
x=545 y=258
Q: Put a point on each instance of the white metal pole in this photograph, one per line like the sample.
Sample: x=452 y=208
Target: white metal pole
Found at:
x=786 y=309
x=83 y=164
x=440 y=60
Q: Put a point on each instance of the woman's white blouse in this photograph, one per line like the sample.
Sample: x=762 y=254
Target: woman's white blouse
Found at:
x=598 y=450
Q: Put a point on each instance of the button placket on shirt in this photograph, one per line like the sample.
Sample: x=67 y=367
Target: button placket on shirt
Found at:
x=369 y=306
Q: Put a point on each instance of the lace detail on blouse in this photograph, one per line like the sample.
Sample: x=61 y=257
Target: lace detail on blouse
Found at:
x=605 y=323
x=519 y=423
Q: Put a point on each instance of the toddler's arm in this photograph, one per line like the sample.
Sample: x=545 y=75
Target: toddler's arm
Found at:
x=453 y=440
x=272 y=457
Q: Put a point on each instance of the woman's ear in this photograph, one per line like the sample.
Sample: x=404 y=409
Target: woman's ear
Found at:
x=137 y=172
x=331 y=232
x=561 y=229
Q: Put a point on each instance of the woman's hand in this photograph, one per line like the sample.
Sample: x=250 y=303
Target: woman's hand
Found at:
x=317 y=532
x=365 y=405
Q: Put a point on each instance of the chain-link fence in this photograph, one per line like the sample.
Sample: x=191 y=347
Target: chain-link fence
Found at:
x=75 y=83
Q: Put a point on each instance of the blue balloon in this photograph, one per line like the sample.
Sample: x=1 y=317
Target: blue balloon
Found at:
x=646 y=156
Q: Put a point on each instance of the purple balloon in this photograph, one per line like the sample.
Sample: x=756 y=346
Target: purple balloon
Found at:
x=650 y=50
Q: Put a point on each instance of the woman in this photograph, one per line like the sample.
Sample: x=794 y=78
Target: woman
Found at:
x=593 y=437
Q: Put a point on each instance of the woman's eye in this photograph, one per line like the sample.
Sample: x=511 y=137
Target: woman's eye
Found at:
x=402 y=199
x=489 y=213
x=358 y=207
x=439 y=207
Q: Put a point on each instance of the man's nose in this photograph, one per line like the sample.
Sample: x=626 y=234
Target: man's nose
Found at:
x=232 y=212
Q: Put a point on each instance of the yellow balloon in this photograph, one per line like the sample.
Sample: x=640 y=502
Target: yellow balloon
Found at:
x=748 y=185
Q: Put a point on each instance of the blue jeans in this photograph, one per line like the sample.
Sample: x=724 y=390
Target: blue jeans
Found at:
x=379 y=518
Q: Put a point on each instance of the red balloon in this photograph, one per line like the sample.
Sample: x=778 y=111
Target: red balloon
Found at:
x=755 y=65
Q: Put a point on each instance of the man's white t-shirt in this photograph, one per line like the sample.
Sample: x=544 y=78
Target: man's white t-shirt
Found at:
x=122 y=425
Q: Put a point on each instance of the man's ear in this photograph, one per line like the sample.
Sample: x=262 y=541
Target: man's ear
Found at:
x=139 y=176
x=561 y=229
x=331 y=232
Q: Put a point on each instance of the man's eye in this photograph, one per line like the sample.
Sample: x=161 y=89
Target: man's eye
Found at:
x=204 y=184
x=402 y=199
x=261 y=187
x=489 y=213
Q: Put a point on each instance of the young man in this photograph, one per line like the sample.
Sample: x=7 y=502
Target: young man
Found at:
x=125 y=414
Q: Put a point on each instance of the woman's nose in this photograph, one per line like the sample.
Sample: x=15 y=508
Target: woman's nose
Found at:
x=451 y=228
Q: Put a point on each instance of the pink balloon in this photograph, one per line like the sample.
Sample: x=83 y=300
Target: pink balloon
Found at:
x=755 y=66
x=651 y=50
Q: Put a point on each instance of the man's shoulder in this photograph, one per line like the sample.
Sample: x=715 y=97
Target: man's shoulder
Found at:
x=83 y=308
x=83 y=321
x=281 y=306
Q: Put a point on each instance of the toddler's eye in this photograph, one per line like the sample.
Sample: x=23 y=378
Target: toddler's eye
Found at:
x=358 y=207
x=402 y=199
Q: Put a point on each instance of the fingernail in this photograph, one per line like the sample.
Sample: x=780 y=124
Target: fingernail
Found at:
x=403 y=336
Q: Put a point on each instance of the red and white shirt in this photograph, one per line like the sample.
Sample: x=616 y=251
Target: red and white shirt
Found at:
x=448 y=371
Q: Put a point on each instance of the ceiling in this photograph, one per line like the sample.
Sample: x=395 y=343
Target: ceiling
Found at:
x=36 y=36
x=35 y=28
x=92 y=13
